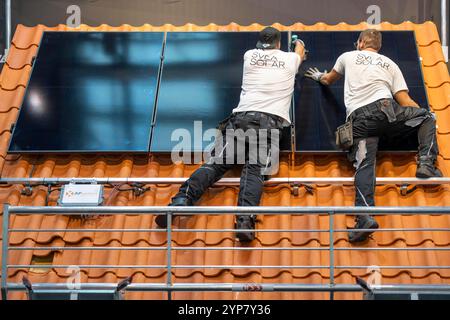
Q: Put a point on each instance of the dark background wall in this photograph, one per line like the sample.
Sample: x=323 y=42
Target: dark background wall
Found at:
x=178 y=12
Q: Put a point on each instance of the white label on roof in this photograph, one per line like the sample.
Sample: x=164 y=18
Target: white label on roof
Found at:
x=81 y=195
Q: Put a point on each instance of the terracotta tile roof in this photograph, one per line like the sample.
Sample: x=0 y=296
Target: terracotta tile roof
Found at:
x=13 y=81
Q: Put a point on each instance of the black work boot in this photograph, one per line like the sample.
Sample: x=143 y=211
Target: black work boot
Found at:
x=245 y=222
x=362 y=222
x=161 y=220
x=426 y=168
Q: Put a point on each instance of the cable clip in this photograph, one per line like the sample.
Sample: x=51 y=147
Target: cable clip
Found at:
x=296 y=187
x=405 y=190
x=138 y=189
x=27 y=191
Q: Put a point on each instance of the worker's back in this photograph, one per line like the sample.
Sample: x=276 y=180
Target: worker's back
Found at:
x=369 y=76
x=268 y=82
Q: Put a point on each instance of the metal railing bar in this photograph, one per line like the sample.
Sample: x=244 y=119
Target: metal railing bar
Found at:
x=327 y=267
x=392 y=249
x=231 y=248
x=86 y=248
x=394 y=267
x=67 y=291
x=398 y=230
x=331 y=252
x=169 y=254
x=234 y=230
x=173 y=248
x=7 y=28
x=223 y=210
x=41 y=266
x=227 y=181
x=318 y=230
x=5 y=244
x=61 y=286
x=236 y=287
x=89 y=230
x=231 y=287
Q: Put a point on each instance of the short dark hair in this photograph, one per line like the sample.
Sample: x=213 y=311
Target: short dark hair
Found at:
x=372 y=38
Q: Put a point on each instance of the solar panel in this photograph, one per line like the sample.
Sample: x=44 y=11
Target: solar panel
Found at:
x=319 y=110
x=200 y=85
x=90 y=91
x=99 y=92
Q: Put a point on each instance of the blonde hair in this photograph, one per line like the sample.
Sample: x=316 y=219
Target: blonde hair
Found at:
x=372 y=38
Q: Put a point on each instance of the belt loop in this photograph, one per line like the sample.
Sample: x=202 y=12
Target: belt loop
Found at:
x=366 y=111
x=352 y=115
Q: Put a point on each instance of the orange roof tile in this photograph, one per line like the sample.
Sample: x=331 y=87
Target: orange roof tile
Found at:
x=13 y=81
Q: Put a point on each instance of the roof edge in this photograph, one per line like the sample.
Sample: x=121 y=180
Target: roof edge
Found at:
x=254 y=26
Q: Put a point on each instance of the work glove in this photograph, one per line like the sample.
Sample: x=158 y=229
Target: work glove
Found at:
x=315 y=74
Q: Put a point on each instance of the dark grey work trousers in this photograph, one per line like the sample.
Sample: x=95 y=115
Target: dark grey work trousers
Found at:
x=385 y=119
x=252 y=175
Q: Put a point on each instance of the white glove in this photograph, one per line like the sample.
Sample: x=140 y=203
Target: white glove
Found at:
x=315 y=74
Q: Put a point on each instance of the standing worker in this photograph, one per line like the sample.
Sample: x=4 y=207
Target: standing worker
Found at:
x=267 y=88
x=377 y=102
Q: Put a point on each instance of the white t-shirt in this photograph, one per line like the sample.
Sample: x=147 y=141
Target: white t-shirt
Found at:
x=268 y=82
x=369 y=76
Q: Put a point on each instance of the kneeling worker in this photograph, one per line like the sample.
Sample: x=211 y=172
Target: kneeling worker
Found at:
x=267 y=88
x=377 y=102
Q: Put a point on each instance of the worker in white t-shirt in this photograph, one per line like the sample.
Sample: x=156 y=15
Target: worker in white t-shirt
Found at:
x=251 y=132
x=379 y=107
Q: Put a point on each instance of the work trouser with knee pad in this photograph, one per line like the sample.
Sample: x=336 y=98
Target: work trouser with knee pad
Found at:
x=385 y=119
x=224 y=156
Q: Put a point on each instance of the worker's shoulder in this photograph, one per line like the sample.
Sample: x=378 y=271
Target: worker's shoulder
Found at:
x=387 y=58
x=345 y=56
x=349 y=54
x=290 y=55
x=249 y=52
x=388 y=61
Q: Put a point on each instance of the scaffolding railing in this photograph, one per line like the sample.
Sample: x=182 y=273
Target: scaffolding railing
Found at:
x=170 y=286
x=225 y=181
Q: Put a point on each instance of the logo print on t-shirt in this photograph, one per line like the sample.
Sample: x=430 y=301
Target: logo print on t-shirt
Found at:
x=362 y=59
x=264 y=60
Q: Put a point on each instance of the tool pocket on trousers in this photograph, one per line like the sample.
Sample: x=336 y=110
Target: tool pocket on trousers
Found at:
x=387 y=107
x=344 y=135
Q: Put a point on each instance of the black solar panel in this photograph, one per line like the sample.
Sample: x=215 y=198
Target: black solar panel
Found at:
x=90 y=91
x=319 y=110
x=201 y=81
x=96 y=92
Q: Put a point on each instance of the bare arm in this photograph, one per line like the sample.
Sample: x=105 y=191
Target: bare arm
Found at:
x=403 y=99
x=330 y=77
x=300 y=49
